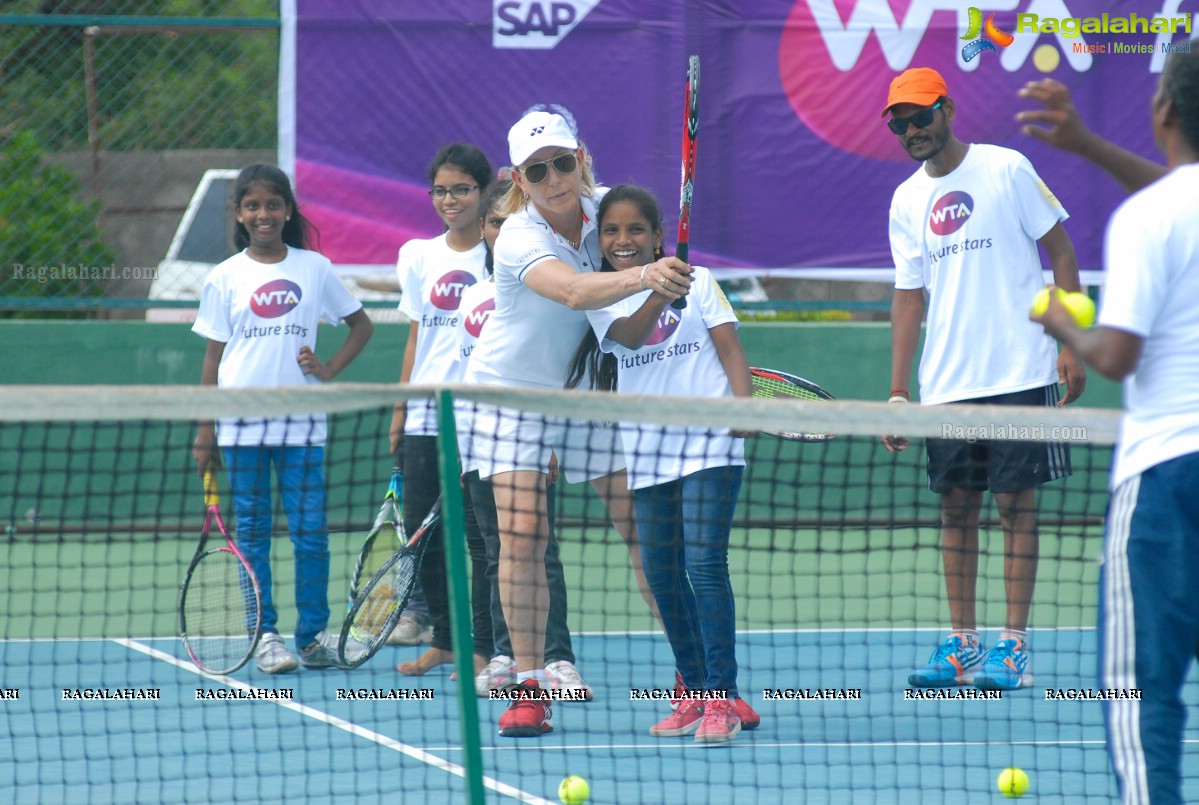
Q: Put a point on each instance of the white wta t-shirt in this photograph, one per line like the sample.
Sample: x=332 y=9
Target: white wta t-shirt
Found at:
x=478 y=302
x=970 y=238
x=533 y=338
x=434 y=278
x=1151 y=289
x=679 y=359
x=263 y=313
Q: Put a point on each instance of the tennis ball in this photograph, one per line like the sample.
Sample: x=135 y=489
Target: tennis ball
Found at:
x=1040 y=302
x=1081 y=308
x=574 y=790
x=1046 y=58
x=1013 y=783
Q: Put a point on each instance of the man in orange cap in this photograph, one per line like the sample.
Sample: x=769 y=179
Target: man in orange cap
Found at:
x=965 y=228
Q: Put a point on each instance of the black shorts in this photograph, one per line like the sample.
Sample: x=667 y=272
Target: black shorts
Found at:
x=998 y=465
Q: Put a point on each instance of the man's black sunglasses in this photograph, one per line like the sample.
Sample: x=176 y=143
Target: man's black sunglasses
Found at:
x=899 y=125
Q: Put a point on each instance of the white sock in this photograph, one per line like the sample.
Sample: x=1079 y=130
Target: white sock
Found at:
x=1015 y=634
x=971 y=635
x=537 y=674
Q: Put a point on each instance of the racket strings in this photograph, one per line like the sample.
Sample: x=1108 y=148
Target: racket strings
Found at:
x=220 y=611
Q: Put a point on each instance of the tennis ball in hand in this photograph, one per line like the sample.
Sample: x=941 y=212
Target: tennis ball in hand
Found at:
x=1081 y=308
x=1013 y=783
x=1040 y=302
x=574 y=790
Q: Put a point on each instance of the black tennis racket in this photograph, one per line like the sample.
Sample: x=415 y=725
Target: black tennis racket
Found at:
x=220 y=604
x=385 y=536
x=772 y=384
x=687 y=182
x=377 y=608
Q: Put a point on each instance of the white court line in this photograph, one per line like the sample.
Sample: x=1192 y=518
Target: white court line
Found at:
x=836 y=629
x=333 y=721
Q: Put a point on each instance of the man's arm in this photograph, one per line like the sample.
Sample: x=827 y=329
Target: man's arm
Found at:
x=1064 y=263
x=1060 y=125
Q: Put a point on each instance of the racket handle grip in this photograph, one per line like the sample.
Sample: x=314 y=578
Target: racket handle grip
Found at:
x=682 y=253
x=211 y=496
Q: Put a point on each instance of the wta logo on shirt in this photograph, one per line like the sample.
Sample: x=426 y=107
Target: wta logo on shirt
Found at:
x=478 y=317
x=668 y=322
x=447 y=291
x=950 y=213
x=276 y=298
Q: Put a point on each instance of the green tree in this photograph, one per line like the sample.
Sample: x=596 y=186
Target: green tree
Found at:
x=50 y=241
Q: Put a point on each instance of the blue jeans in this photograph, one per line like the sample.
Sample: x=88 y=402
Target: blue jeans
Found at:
x=683 y=527
x=301 y=475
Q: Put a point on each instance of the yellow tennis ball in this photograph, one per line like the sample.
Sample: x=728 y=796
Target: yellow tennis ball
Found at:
x=1040 y=302
x=1013 y=782
x=1081 y=308
x=574 y=790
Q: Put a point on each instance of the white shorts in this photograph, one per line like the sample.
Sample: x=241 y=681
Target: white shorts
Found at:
x=509 y=439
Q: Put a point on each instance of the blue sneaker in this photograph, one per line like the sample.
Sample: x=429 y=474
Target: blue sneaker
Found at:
x=955 y=662
x=1005 y=667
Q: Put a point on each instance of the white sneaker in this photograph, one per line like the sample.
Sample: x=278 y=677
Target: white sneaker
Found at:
x=272 y=656
x=496 y=674
x=321 y=652
x=564 y=676
x=410 y=632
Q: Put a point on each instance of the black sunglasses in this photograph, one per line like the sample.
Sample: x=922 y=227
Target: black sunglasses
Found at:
x=899 y=125
x=538 y=171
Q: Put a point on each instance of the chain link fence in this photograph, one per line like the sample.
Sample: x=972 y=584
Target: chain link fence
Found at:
x=111 y=115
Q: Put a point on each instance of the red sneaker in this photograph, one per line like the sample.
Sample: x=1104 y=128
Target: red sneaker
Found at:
x=683 y=721
x=720 y=723
x=529 y=715
x=679 y=690
x=749 y=717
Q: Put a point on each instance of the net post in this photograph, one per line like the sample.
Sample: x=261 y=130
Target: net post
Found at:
x=453 y=529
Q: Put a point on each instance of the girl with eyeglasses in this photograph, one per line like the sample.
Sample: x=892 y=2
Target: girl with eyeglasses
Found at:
x=434 y=273
x=547 y=262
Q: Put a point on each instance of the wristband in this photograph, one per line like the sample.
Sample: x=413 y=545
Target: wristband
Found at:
x=644 y=268
x=897 y=398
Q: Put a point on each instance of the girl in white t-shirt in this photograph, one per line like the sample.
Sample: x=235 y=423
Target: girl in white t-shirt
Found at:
x=434 y=274
x=259 y=311
x=685 y=480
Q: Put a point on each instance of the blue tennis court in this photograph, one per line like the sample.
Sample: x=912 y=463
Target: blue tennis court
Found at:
x=879 y=748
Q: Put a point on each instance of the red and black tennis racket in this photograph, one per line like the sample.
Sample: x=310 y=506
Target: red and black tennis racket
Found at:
x=687 y=183
x=220 y=604
x=773 y=384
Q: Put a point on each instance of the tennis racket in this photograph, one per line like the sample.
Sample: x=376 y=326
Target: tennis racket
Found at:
x=687 y=182
x=377 y=608
x=389 y=524
x=772 y=384
x=220 y=604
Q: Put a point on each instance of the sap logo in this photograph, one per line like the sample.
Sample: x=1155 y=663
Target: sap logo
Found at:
x=950 y=213
x=275 y=299
x=447 y=291
x=535 y=24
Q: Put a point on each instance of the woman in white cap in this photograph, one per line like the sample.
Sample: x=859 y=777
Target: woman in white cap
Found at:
x=547 y=262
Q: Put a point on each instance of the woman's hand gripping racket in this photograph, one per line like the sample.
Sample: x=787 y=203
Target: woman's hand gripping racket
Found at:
x=386 y=535
x=687 y=182
x=220 y=604
x=377 y=608
x=772 y=384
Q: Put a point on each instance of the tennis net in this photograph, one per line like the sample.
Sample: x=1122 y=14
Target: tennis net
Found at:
x=834 y=562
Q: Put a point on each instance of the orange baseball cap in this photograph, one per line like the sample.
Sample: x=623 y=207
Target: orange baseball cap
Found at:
x=920 y=85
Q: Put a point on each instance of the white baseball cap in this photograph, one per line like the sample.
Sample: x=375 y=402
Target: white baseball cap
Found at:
x=538 y=130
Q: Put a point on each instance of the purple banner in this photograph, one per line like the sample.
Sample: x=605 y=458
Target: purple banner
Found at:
x=796 y=167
